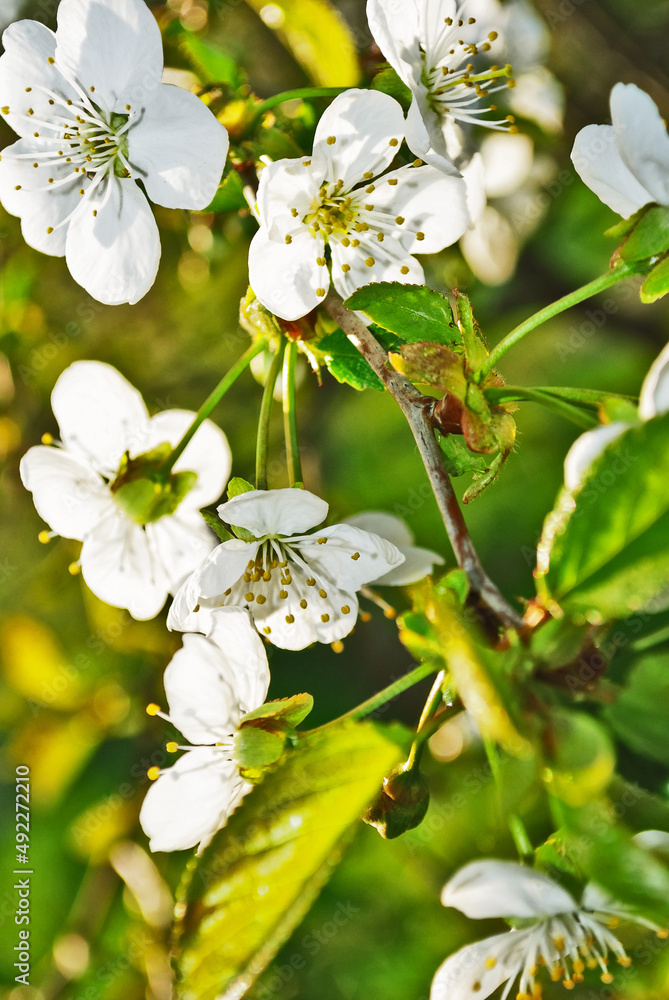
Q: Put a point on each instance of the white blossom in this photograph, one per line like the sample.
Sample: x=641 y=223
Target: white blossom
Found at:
x=343 y=203
x=93 y=119
x=210 y=684
x=626 y=164
x=77 y=487
x=418 y=562
x=429 y=43
x=555 y=934
x=653 y=401
x=300 y=588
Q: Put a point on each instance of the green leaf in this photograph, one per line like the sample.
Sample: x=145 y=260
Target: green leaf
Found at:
x=604 y=552
x=582 y=760
x=216 y=525
x=289 y=711
x=639 y=716
x=607 y=855
x=413 y=312
x=319 y=39
x=261 y=873
x=237 y=486
x=210 y=64
x=257 y=748
x=344 y=362
x=657 y=283
x=459 y=459
x=649 y=237
x=475 y=350
x=230 y=195
x=388 y=82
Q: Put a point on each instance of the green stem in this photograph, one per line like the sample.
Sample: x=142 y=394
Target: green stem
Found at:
x=575 y=414
x=290 y=415
x=292 y=95
x=389 y=693
x=265 y=413
x=566 y=302
x=424 y=730
x=515 y=823
x=212 y=401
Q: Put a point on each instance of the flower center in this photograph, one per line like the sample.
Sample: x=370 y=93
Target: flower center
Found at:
x=332 y=211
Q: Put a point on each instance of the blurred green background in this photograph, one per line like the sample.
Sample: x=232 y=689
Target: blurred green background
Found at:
x=77 y=674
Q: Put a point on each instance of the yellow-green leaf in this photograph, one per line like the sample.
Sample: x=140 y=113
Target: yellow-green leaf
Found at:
x=318 y=37
x=261 y=873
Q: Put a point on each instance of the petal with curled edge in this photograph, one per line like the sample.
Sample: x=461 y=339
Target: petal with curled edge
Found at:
x=286 y=185
x=286 y=277
x=28 y=78
x=485 y=889
x=641 y=138
x=418 y=562
x=204 y=589
x=191 y=800
x=274 y=512
x=349 y=557
x=654 y=398
x=478 y=969
x=598 y=162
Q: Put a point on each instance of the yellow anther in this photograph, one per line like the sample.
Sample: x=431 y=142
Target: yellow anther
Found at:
x=303 y=604
x=260 y=599
x=417 y=163
x=17 y=187
x=365 y=616
x=44 y=537
x=579 y=965
x=127 y=107
x=369 y=208
x=320 y=292
x=492 y=35
x=249 y=596
x=557 y=973
x=624 y=960
x=404 y=269
x=345 y=609
x=289 y=240
x=30 y=111
x=355 y=556
x=311 y=582
x=47 y=438
x=196 y=609
x=370 y=189
x=331 y=140
x=74 y=568
x=152 y=708
x=322 y=593
x=490 y=963
x=420 y=237
x=283 y=594
x=399 y=219
x=306 y=163
x=267 y=630
x=606 y=977
x=346 y=268
x=322 y=540
x=568 y=984
x=379 y=237
x=346 y=242
x=370 y=262
x=51 y=60
x=355 y=243
x=267 y=576
x=290 y=619
x=325 y=618
x=559 y=942
x=337 y=646
x=153 y=773
x=476 y=986
x=294 y=213
x=662 y=934
x=368 y=174
x=320 y=261
x=393 y=142
x=172 y=747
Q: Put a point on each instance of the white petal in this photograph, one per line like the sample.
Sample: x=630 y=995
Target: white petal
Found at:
x=491 y=247
x=598 y=899
x=286 y=277
x=206 y=586
x=25 y=191
x=599 y=164
x=654 y=398
x=25 y=64
x=652 y=840
x=474 y=176
x=112 y=45
x=100 y=414
x=390 y=527
x=485 y=889
x=211 y=684
x=119 y=566
x=67 y=493
x=180 y=542
x=179 y=149
x=507 y=162
x=115 y=254
x=190 y=801
x=586 y=449
x=208 y=454
x=418 y=563
x=466 y=974
x=641 y=137
x=389 y=260
x=394 y=27
x=350 y=557
x=285 y=185
x=274 y=512
x=430 y=202
x=363 y=124
x=244 y=653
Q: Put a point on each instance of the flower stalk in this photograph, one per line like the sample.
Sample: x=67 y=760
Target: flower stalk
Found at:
x=262 y=440
x=290 y=415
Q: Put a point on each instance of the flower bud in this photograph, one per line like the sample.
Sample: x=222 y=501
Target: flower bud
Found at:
x=401 y=804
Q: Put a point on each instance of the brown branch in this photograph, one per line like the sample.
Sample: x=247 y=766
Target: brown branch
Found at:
x=417 y=409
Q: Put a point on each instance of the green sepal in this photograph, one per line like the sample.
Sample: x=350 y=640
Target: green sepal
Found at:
x=388 y=82
x=286 y=711
x=216 y=525
x=476 y=351
x=623 y=410
x=414 y=313
x=258 y=322
x=648 y=237
x=624 y=227
x=144 y=491
x=458 y=458
x=257 y=749
x=455 y=582
x=657 y=283
x=237 y=486
x=432 y=364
